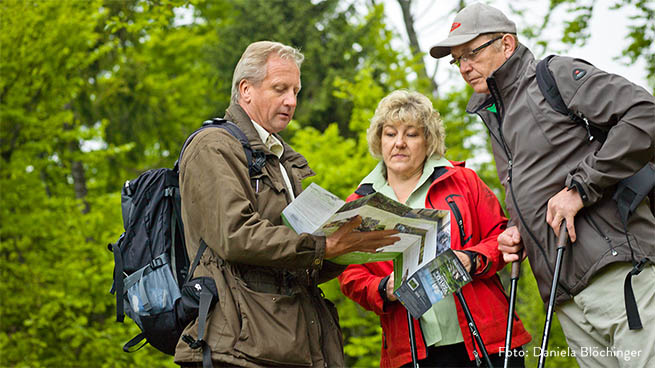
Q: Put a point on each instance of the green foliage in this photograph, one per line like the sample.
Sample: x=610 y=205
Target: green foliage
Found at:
x=94 y=92
x=333 y=37
x=641 y=35
x=57 y=216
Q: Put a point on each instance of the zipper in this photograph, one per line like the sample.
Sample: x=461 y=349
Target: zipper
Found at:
x=458 y=218
x=495 y=93
x=594 y=225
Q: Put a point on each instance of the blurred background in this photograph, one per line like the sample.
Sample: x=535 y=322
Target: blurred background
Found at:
x=94 y=92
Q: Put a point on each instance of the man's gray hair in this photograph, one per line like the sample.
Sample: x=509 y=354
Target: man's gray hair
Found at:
x=252 y=65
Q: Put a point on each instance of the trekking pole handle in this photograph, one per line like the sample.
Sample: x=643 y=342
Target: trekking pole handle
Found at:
x=516 y=267
x=563 y=237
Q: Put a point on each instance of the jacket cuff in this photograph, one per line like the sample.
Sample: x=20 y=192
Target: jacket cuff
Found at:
x=479 y=262
x=319 y=252
x=573 y=182
x=382 y=290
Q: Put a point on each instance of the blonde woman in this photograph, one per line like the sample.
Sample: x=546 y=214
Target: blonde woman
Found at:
x=407 y=136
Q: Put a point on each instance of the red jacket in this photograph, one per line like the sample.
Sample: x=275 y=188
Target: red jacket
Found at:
x=460 y=191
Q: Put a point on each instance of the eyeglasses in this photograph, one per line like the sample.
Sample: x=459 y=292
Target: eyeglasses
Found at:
x=471 y=55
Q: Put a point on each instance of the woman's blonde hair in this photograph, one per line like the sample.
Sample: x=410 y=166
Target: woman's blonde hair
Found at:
x=407 y=107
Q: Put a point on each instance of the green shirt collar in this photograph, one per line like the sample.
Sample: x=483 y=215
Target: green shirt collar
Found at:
x=377 y=176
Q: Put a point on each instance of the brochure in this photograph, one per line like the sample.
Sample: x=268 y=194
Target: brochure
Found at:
x=429 y=269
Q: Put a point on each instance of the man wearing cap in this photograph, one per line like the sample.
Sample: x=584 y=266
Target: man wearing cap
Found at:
x=552 y=172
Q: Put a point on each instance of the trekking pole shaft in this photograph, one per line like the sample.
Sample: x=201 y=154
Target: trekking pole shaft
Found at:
x=412 y=339
x=473 y=327
x=561 y=244
x=510 y=322
x=514 y=277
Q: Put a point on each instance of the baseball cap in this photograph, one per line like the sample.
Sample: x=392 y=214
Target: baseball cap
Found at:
x=469 y=23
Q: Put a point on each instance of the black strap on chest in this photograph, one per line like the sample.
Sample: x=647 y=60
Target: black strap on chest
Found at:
x=549 y=89
x=255 y=159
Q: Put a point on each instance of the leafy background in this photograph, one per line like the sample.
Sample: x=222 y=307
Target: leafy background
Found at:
x=94 y=92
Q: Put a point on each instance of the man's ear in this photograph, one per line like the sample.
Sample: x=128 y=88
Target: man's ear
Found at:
x=509 y=45
x=244 y=91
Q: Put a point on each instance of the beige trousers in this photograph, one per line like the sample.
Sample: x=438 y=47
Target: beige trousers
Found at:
x=595 y=323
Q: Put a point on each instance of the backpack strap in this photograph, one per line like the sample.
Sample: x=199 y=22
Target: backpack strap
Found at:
x=629 y=194
x=134 y=342
x=179 y=257
x=196 y=260
x=549 y=89
x=255 y=159
x=203 y=311
x=119 y=277
x=632 y=190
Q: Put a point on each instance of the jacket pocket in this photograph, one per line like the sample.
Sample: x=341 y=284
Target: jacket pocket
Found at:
x=273 y=328
x=264 y=181
x=594 y=226
x=463 y=239
x=271 y=193
x=557 y=129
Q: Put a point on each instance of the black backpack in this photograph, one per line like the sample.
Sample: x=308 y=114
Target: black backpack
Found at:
x=152 y=272
x=630 y=192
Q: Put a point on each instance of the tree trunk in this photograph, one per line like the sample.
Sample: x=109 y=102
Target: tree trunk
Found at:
x=77 y=172
x=79 y=184
x=408 y=19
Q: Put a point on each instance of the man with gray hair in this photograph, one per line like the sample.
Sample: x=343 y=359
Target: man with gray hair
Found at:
x=269 y=310
x=552 y=172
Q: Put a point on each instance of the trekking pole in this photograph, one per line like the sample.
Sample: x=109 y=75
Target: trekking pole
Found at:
x=514 y=279
x=474 y=330
x=561 y=244
x=412 y=340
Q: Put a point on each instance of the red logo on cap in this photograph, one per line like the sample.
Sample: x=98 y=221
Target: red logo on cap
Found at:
x=455 y=26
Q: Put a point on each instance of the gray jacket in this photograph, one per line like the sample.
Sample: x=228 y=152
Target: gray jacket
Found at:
x=539 y=151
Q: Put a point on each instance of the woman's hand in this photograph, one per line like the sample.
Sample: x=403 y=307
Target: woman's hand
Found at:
x=390 y=296
x=465 y=259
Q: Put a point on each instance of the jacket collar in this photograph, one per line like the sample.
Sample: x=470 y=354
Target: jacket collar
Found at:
x=505 y=78
x=236 y=114
x=434 y=168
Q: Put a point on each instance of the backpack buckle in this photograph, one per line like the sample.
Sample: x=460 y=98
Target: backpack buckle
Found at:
x=258 y=162
x=156 y=263
x=193 y=344
x=639 y=266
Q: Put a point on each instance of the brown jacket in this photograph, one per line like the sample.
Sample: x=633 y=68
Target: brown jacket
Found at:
x=539 y=151
x=269 y=311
